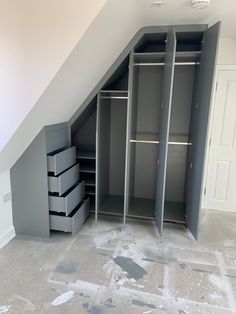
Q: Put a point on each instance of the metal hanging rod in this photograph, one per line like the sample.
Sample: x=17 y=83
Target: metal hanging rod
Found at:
x=162 y=63
x=113 y=97
x=158 y=142
x=144 y=141
x=109 y=91
x=180 y=143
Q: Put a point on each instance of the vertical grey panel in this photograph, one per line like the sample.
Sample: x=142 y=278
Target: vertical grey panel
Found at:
x=184 y=79
x=117 y=146
x=104 y=142
x=57 y=136
x=164 y=126
x=97 y=201
x=148 y=88
x=205 y=84
x=29 y=185
x=128 y=136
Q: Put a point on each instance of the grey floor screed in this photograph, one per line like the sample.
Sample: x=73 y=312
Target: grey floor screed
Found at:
x=111 y=269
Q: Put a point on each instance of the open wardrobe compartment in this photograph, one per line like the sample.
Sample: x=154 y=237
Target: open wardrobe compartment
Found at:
x=135 y=148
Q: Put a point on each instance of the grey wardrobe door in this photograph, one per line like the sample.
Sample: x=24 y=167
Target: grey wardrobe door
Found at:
x=199 y=132
x=129 y=148
x=164 y=126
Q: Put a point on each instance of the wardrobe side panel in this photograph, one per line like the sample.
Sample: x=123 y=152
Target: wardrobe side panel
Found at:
x=149 y=97
x=98 y=158
x=164 y=126
x=104 y=143
x=29 y=185
x=179 y=131
x=199 y=135
x=129 y=146
x=117 y=146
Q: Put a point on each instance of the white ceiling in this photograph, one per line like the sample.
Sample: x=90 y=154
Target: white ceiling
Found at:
x=180 y=12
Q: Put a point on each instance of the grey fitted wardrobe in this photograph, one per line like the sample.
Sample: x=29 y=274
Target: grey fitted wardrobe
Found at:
x=140 y=136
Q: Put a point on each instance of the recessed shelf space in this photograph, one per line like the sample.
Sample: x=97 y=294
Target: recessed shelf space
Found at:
x=188 y=57
x=87 y=166
x=90 y=182
x=118 y=81
x=153 y=42
x=112 y=205
x=112 y=119
x=189 y=41
x=141 y=207
x=90 y=190
x=148 y=57
x=88 y=169
x=175 y=212
x=142 y=183
x=86 y=154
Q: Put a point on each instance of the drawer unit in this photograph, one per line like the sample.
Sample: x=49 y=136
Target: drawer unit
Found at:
x=68 y=201
x=60 y=184
x=61 y=160
x=74 y=221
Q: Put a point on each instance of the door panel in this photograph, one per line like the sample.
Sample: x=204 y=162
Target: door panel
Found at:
x=221 y=178
x=164 y=126
x=199 y=132
x=129 y=149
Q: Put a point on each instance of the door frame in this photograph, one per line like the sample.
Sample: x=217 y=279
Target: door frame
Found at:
x=219 y=68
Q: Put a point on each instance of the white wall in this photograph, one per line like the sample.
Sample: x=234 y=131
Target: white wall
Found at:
x=227 y=51
x=6 y=226
x=35 y=39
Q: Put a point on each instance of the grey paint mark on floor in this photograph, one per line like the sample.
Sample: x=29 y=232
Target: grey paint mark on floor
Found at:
x=108 y=303
x=182 y=312
x=202 y=270
x=149 y=260
x=85 y=305
x=230 y=276
x=182 y=266
x=133 y=269
x=81 y=294
x=141 y=303
x=95 y=310
x=66 y=268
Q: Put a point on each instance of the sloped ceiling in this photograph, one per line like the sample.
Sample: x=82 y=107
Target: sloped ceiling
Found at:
x=100 y=45
x=36 y=37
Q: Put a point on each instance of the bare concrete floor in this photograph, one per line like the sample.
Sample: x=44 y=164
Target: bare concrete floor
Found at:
x=110 y=269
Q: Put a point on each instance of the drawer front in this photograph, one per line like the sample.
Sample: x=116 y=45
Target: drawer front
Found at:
x=67 y=203
x=80 y=217
x=63 y=182
x=73 y=222
x=62 y=160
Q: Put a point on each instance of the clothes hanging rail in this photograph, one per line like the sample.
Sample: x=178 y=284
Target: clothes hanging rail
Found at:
x=158 y=142
x=162 y=63
x=113 y=97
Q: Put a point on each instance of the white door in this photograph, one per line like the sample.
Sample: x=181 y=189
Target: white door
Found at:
x=221 y=174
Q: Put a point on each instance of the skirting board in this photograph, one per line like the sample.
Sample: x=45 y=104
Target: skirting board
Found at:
x=7 y=236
